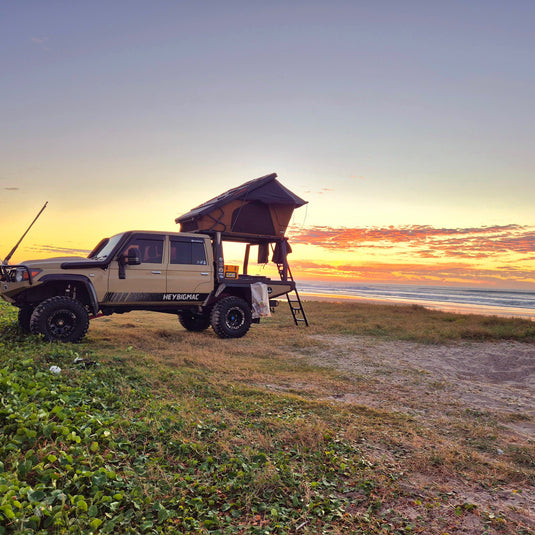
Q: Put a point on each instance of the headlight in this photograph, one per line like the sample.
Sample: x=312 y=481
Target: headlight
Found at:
x=22 y=274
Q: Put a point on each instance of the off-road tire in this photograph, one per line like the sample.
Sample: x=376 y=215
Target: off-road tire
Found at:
x=24 y=316
x=60 y=319
x=194 y=322
x=231 y=317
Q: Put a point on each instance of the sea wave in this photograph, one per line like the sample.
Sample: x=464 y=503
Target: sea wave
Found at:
x=478 y=297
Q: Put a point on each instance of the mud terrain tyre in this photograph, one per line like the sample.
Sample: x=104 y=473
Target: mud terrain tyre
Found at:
x=60 y=319
x=194 y=322
x=24 y=317
x=231 y=317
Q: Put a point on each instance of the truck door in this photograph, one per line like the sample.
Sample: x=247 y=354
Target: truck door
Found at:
x=189 y=277
x=144 y=284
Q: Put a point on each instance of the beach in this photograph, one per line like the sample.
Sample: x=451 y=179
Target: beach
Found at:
x=458 y=308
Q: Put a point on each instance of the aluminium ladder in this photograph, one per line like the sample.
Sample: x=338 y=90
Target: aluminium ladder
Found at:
x=294 y=302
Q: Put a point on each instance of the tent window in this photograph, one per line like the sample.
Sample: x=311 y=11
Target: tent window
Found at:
x=253 y=218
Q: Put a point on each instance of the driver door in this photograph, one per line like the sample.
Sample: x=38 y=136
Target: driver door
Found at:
x=143 y=284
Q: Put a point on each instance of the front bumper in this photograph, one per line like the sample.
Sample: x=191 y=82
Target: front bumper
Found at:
x=13 y=280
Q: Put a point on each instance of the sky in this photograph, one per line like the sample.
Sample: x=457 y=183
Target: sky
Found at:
x=407 y=126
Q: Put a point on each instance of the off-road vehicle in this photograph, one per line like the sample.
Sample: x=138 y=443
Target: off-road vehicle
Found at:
x=181 y=273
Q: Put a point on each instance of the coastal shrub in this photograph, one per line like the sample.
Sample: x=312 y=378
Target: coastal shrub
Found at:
x=185 y=433
x=93 y=448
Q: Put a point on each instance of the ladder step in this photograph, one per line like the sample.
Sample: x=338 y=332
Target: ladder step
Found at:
x=296 y=306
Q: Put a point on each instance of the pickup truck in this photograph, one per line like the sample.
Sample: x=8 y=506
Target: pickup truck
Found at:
x=178 y=273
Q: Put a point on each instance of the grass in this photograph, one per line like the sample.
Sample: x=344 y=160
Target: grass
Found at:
x=415 y=323
x=177 y=432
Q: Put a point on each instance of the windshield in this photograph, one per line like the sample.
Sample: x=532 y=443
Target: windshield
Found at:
x=102 y=252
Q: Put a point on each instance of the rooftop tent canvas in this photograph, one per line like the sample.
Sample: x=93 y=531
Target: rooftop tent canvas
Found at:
x=261 y=207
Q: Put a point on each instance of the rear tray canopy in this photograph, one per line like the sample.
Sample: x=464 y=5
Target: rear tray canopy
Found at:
x=258 y=211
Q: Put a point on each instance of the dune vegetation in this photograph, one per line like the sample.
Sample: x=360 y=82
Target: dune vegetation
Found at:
x=147 y=428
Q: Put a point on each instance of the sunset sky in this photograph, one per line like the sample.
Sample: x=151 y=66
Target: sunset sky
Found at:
x=408 y=126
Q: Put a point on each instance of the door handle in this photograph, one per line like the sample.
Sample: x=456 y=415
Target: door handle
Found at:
x=205 y=273
x=157 y=272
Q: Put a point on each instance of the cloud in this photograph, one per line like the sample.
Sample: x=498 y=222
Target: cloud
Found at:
x=12 y=189
x=491 y=255
x=413 y=273
x=320 y=192
x=40 y=42
x=423 y=240
x=51 y=249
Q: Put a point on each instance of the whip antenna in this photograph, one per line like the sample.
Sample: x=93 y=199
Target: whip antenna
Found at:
x=8 y=257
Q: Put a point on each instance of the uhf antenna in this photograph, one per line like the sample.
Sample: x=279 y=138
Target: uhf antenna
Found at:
x=12 y=252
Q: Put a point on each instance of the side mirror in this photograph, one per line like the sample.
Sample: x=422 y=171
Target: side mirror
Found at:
x=133 y=258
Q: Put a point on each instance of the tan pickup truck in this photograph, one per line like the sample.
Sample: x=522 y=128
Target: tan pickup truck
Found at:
x=179 y=273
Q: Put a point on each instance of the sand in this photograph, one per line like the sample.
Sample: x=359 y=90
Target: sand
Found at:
x=409 y=377
x=432 y=383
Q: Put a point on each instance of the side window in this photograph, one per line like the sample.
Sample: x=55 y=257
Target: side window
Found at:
x=188 y=252
x=180 y=252
x=198 y=254
x=150 y=250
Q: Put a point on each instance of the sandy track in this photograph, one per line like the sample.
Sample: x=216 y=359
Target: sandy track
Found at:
x=431 y=381
x=411 y=377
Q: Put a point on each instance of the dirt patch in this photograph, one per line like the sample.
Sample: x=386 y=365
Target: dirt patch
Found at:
x=434 y=383
x=411 y=377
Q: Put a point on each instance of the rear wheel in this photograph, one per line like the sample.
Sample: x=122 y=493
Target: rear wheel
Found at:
x=24 y=316
x=61 y=319
x=192 y=321
x=231 y=317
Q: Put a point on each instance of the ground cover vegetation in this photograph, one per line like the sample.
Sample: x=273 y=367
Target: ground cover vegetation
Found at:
x=148 y=428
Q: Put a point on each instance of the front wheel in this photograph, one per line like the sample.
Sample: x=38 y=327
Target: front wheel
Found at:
x=231 y=317
x=24 y=317
x=60 y=319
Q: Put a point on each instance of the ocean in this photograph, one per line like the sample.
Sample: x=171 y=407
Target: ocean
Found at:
x=517 y=303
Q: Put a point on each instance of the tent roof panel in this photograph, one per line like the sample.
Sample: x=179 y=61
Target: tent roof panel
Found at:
x=266 y=189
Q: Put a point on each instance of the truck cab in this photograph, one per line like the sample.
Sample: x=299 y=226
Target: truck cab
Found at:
x=170 y=272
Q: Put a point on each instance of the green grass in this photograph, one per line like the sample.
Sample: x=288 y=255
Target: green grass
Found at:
x=415 y=323
x=174 y=432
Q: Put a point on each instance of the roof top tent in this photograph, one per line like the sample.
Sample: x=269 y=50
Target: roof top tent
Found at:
x=256 y=213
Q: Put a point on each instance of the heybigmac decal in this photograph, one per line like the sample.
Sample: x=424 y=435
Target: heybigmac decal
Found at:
x=181 y=297
x=144 y=297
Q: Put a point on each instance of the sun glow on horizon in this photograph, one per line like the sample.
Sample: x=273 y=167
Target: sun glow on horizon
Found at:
x=488 y=257
x=500 y=256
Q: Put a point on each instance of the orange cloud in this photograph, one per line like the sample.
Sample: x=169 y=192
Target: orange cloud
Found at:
x=63 y=251
x=424 y=241
x=444 y=274
x=491 y=256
